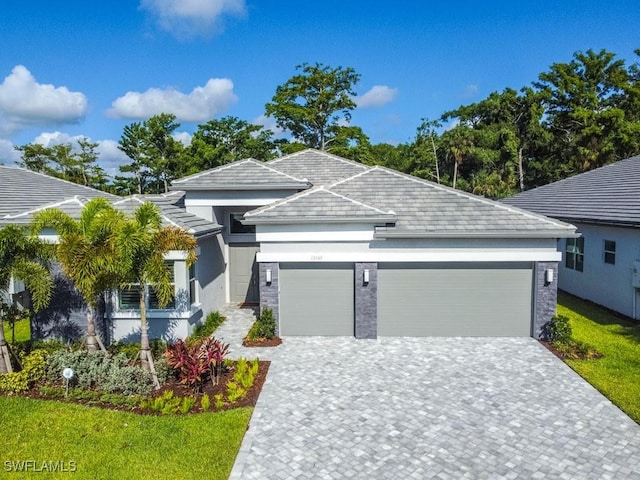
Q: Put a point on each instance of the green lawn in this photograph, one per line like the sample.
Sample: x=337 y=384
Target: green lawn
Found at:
x=617 y=374
x=23 y=330
x=108 y=444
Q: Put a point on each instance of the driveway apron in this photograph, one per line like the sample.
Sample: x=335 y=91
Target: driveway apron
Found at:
x=446 y=408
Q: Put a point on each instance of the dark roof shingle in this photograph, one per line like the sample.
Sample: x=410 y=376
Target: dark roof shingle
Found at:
x=609 y=194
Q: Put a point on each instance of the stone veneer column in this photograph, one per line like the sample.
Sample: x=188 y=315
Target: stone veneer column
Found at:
x=269 y=294
x=366 y=308
x=546 y=296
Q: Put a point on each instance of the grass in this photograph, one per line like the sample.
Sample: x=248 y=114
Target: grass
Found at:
x=111 y=444
x=23 y=330
x=617 y=374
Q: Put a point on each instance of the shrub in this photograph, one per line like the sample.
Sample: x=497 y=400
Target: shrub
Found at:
x=558 y=330
x=244 y=374
x=235 y=392
x=187 y=404
x=131 y=349
x=264 y=326
x=206 y=329
x=198 y=362
x=218 y=401
x=33 y=371
x=98 y=370
x=205 y=402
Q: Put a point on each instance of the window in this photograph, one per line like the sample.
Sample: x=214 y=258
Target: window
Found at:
x=192 y=284
x=236 y=226
x=610 y=252
x=575 y=254
x=129 y=296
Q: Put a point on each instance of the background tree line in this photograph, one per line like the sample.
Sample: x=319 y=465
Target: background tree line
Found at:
x=575 y=117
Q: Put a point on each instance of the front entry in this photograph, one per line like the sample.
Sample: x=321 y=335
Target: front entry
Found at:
x=243 y=273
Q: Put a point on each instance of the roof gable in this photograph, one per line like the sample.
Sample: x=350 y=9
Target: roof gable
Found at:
x=246 y=174
x=609 y=194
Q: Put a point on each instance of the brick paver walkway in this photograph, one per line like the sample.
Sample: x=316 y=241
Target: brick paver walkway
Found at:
x=421 y=408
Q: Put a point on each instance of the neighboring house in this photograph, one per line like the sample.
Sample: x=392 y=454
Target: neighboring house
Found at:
x=603 y=265
x=24 y=192
x=335 y=247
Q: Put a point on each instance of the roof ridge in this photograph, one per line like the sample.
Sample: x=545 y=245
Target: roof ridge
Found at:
x=285 y=200
x=211 y=170
x=51 y=177
x=264 y=164
x=470 y=196
x=357 y=202
x=76 y=198
x=369 y=169
x=322 y=152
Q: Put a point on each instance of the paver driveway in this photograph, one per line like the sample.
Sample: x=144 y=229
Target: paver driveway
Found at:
x=432 y=408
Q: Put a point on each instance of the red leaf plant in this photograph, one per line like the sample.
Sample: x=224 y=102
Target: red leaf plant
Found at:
x=198 y=362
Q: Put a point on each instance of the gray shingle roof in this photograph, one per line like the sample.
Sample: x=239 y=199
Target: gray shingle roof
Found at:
x=319 y=168
x=425 y=208
x=609 y=194
x=410 y=207
x=23 y=190
x=247 y=174
x=171 y=215
x=319 y=204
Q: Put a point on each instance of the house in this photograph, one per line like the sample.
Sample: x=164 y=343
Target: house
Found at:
x=603 y=264
x=24 y=192
x=335 y=247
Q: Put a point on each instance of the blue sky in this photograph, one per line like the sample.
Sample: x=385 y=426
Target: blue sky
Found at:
x=83 y=68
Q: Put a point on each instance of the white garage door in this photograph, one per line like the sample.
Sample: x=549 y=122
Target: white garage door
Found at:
x=450 y=299
x=316 y=299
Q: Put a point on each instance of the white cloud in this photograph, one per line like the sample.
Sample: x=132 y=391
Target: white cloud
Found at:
x=200 y=105
x=470 y=91
x=8 y=154
x=183 y=137
x=110 y=158
x=377 y=96
x=191 y=18
x=269 y=123
x=24 y=102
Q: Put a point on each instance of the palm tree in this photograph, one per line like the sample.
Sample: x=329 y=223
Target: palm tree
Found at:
x=142 y=244
x=86 y=251
x=22 y=257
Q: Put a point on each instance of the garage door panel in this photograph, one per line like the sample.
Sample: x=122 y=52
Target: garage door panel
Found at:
x=316 y=299
x=454 y=300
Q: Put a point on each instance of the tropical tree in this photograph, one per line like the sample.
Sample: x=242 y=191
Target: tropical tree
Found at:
x=87 y=253
x=313 y=102
x=23 y=257
x=141 y=245
x=227 y=140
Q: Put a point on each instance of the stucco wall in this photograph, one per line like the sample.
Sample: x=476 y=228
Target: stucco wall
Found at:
x=210 y=272
x=602 y=283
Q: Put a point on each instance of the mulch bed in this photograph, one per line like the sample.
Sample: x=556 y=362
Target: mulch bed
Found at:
x=571 y=352
x=180 y=391
x=262 y=342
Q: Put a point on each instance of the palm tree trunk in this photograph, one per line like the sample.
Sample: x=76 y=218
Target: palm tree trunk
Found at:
x=5 y=359
x=455 y=173
x=91 y=341
x=520 y=170
x=146 y=357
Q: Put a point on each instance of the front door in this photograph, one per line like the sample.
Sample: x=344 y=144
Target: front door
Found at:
x=243 y=271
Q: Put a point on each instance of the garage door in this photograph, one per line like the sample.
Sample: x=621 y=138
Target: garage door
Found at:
x=316 y=299
x=449 y=299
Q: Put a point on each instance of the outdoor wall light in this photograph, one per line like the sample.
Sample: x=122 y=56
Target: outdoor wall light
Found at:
x=548 y=275
x=267 y=275
x=365 y=277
